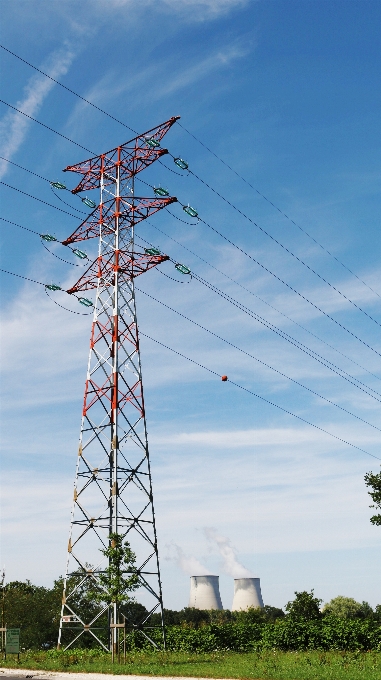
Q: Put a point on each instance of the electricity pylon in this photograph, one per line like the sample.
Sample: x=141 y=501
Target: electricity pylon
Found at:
x=113 y=485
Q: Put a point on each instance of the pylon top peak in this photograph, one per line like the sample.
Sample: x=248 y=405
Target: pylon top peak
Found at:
x=129 y=158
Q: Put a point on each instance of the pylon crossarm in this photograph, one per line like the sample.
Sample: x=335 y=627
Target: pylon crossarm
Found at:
x=102 y=218
x=103 y=269
x=123 y=162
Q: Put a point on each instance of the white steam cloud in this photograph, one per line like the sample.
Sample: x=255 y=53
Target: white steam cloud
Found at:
x=14 y=126
x=187 y=563
x=228 y=553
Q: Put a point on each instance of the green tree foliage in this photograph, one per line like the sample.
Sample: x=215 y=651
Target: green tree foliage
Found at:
x=348 y=608
x=305 y=607
x=374 y=482
x=35 y=610
x=120 y=577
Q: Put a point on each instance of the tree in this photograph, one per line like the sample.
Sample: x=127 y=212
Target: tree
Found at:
x=374 y=482
x=343 y=607
x=305 y=607
x=35 y=610
x=120 y=576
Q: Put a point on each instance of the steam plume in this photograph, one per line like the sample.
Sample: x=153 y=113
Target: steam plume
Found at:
x=187 y=563
x=228 y=553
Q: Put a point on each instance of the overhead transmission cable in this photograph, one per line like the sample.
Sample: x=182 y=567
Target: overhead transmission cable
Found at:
x=299 y=259
x=38 y=199
x=117 y=120
x=285 y=336
x=228 y=277
x=67 y=88
x=222 y=294
x=263 y=363
x=232 y=382
x=278 y=209
x=244 y=252
x=77 y=252
x=240 y=249
x=262 y=300
x=282 y=334
x=21 y=167
x=215 y=289
x=254 y=394
x=240 y=212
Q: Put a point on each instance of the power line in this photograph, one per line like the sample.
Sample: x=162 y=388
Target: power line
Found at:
x=251 y=356
x=228 y=298
x=214 y=372
x=262 y=300
x=229 y=241
x=254 y=394
x=290 y=287
x=26 y=169
x=68 y=89
x=287 y=250
x=279 y=210
x=19 y=225
x=194 y=174
x=282 y=334
x=279 y=332
x=244 y=252
x=21 y=167
x=233 y=244
x=19 y=276
x=38 y=199
x=46 y=126
x=285 y=336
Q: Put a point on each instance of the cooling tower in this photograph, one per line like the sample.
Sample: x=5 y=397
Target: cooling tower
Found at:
x=205 y=592
x=247 y=593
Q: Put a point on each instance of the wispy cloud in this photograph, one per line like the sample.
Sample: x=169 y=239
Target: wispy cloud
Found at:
x=14 y=126
x=201 y=9
x=218 y=59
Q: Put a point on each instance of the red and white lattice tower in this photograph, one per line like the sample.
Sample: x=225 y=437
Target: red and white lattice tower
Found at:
x=113 y=486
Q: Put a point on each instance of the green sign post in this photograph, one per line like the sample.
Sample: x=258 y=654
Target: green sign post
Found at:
x=12 y=641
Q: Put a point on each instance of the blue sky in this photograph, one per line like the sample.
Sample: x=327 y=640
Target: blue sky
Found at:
x=287 y=93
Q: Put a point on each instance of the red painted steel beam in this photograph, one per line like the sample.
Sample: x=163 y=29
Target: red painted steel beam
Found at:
x=130 y=265
x=131 y=157
x=131 y=211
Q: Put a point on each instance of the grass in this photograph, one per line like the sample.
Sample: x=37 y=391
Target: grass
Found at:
x=268 y=665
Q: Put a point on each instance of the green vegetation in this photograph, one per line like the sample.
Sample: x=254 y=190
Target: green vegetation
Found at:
x=347 y=608
x=374 y=482
x=343 y=625
x=266 y=665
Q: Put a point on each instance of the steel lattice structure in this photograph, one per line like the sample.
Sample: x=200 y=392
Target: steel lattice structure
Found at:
x=113 y=486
